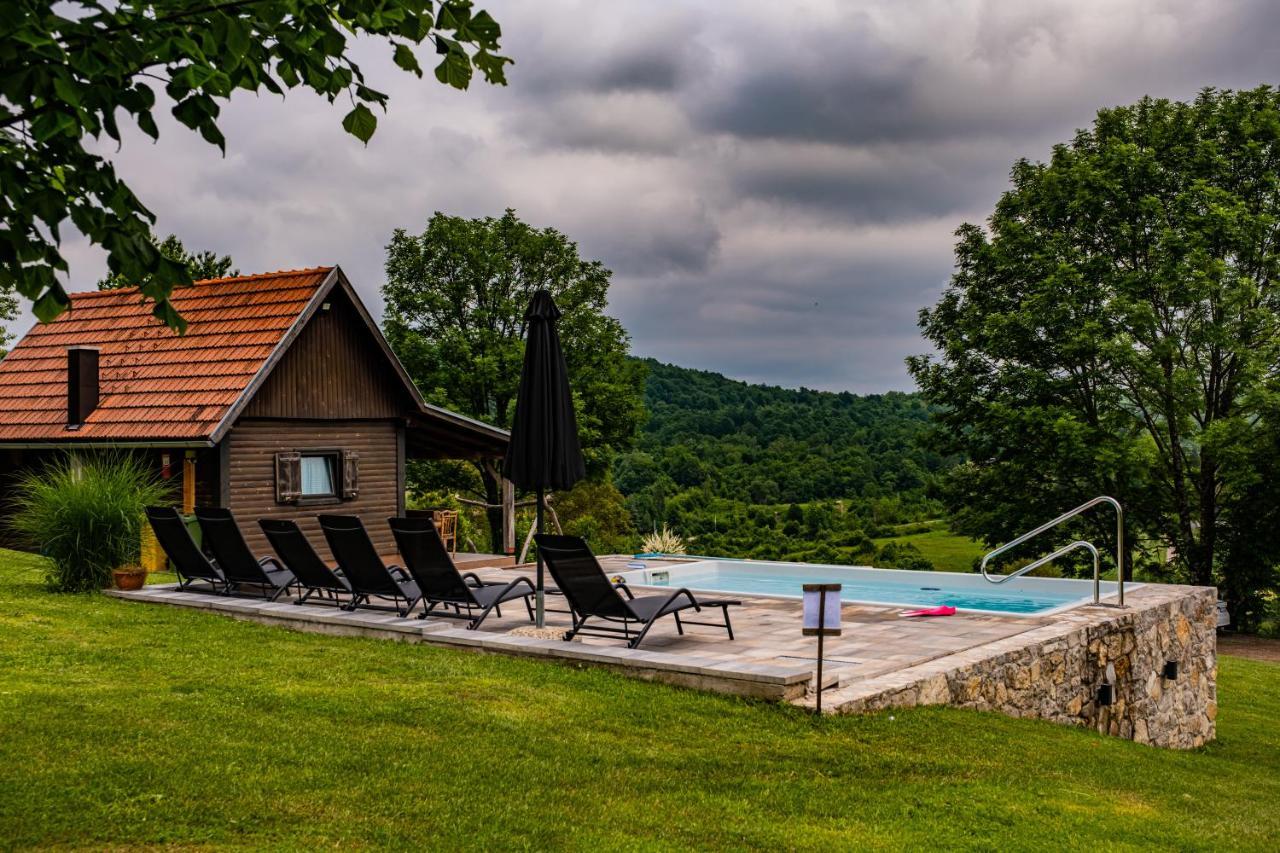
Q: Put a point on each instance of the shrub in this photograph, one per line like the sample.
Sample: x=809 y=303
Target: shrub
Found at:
x=598 y=513
x=903 y=555
x=86 y=515
x=855 y=539
x=1049 y=570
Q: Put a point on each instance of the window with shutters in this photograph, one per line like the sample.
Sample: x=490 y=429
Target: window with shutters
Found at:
x=317 y=476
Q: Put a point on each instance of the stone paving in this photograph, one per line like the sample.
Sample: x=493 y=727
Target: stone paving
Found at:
x=876 y=640
x=880 y=659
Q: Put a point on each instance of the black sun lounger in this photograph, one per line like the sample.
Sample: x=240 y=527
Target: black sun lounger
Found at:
x=363 y=569
x=188 y=560
x=440 y=582
x=223 y=539
x=311 y=572
x=592 y=596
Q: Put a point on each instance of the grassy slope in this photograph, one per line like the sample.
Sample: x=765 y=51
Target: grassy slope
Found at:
x=133 y=724
x=949 y=552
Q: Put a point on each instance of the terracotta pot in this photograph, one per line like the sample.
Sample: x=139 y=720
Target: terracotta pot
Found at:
x=130 y=578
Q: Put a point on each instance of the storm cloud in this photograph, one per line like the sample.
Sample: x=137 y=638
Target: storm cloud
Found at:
x=776 y=187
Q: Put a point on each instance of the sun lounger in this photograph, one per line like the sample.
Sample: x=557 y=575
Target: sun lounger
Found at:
x=364 y=570
x=440 y=582
x=311 y=572
x=239 y=566
x=188 y=560
x=591 y=595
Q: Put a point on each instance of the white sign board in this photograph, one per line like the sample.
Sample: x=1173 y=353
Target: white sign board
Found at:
x=822 y=609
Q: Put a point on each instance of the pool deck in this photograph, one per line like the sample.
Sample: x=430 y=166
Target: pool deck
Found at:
x=879 y=653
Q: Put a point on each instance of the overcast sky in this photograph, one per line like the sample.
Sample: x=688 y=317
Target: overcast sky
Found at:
x=775 y=185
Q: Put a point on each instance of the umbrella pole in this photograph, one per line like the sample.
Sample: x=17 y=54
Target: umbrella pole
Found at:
x=541 y=611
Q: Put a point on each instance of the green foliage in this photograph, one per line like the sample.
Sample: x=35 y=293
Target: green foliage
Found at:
x=1250 y=539
x=86 y=514
x=1115 y=330
x=793 y=446
x=470 y=522
x=69 y=71
x=8 y=311
x=456 y=296
x=757 y=471
x=199 y=265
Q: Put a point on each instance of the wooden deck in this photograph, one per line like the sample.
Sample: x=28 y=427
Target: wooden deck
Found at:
x=474 y=562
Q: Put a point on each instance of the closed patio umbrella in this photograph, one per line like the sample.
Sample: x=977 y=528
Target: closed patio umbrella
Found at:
x=544 y=452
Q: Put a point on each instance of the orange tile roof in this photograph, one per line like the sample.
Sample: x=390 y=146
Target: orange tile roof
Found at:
x=154 y=383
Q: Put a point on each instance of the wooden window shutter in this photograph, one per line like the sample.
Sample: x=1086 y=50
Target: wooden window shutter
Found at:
x=288 y=476
x=350 y=474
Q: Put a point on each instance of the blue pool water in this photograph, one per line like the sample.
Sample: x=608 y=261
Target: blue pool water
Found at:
x=1025 y=596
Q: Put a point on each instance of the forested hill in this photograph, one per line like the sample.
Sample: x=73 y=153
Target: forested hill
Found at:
x=763 y=444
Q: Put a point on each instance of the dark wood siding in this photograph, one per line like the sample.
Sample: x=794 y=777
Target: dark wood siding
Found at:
x=333 y=370
x=13 y=464
x=253 y=445
x=208 y=491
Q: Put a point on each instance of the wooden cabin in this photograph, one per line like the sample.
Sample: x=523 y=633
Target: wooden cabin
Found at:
x=282 y=400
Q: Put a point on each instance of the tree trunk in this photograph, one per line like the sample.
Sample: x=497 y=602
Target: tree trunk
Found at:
x=493 y=497
x=1202 y=567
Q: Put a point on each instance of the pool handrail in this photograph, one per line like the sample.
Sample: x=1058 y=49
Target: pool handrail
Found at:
x=1087 y=505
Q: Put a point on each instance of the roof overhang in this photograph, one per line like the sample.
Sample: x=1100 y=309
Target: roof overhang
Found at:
x=441 y=434
x=101 y=444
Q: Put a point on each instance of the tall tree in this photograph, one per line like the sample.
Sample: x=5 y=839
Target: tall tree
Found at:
x=456 y=296
x=199 y=265
x=1115 y=329
x=69 y=70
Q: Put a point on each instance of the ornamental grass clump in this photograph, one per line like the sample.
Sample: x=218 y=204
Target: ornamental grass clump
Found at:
x=664 y=541
x=85 y=514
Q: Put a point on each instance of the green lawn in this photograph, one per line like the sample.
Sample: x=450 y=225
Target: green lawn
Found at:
x=127 y=725
x=949 y=552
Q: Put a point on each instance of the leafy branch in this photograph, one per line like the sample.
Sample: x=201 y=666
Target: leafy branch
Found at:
x=68 y=70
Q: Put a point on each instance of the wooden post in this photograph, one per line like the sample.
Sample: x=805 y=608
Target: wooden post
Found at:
x=508 y=517
x=189 y=482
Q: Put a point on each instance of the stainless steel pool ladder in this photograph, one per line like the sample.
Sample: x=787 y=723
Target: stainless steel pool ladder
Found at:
x=1087 y=505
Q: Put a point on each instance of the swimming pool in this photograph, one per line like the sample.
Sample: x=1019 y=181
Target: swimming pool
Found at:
x=1024 y=596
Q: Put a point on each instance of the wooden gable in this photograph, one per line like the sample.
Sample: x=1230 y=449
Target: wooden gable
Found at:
x=333 y=370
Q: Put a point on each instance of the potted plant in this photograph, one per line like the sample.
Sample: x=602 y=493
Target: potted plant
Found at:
x=129 y=577
x=85 y=513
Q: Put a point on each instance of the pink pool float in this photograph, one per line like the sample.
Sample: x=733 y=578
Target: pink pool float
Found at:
x=941 y=610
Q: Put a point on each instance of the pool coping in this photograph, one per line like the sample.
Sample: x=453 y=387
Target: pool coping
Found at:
x=1086 y=601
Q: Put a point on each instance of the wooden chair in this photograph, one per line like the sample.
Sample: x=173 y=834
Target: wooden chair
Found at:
x=446 y=521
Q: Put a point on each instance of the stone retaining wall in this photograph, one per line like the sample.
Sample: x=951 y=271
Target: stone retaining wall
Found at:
x=1054 y=672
